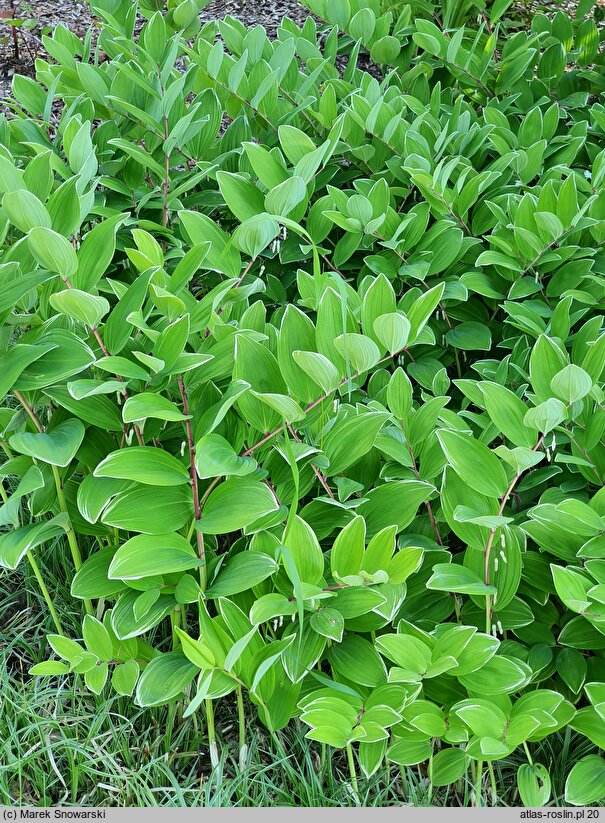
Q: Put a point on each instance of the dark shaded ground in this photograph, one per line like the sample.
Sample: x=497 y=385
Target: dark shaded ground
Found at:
x=47 y=14
x=267 y=13
x=76 y=16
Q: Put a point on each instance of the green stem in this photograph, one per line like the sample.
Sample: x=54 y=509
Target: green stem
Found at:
x=211 y=732
x=71 y=535
x=45 y=593
x=169 y=727
x=404 y=782
x=492 y=779
x=197 y=509
x=478 y=784
x=175 y=621
x=528 y=754
x=352 y=770
x=241 y=718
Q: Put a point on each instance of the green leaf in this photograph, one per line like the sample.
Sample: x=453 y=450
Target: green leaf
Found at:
x=96 y=252
x=49 y=667
x=57 y=447
x=393 y=331
x=546 y=415
x=92 y=581
x=139 y=155
x=164 y=678
x=399 y=394
x=286 y=196
x=53 y=251
x=150 y=509
x=572 y=587
x=358 y=661
x=216 y=457
x=470 y=336
x=87 y=308
x=329 y=623
x=448 y=766
x=500 y=675
x=124 y=677
x=244 y=199
x=546 y=360
x=348 y=440
x=222 y=255
x=473 y=462
x=361 y=351
x=234 y=505
x=534 y=784
x=449 y=577
x=143 y=464
x=240 y=573
x=65 y=647
x=96 y=638
x=321 y=370
x=347 y=552
x=420 y=311
x=285 y=406
x=508 y=412
x=571 y=383
x=295 y=143
x=15 y=544
x=148 y=555
x=266 y=167
x=393 y=504
x=15 y=361
x=304 y=549
x=25 y=211
x=196 y=651
x=145 y=405
x=117 y=328
x=255 y=234
x=585 y=784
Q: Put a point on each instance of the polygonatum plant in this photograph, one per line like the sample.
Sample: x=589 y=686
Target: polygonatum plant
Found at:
x=302 y=378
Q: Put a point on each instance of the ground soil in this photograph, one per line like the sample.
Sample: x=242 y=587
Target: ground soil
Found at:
x=75 y=14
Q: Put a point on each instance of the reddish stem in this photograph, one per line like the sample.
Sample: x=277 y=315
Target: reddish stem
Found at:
x=315 y=403
x=490 y=540
x=103 y=347
x=318 y=474
x=29 y=410
x=197 y=511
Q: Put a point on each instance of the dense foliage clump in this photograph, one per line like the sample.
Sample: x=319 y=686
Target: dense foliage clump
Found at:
x=303 y=375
